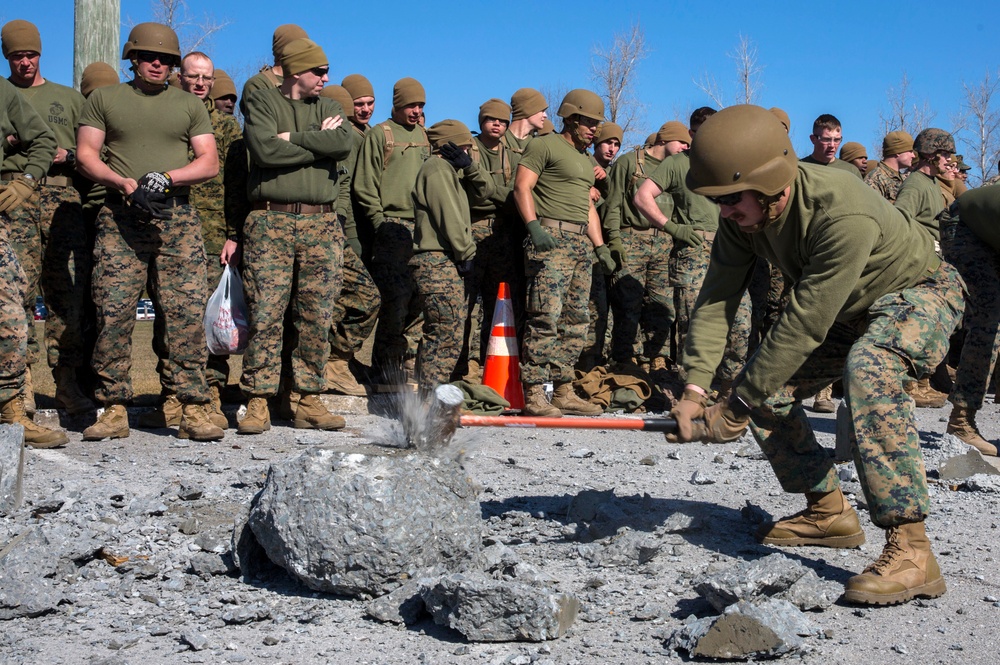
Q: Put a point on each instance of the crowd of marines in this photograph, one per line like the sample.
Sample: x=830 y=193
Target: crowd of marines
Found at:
x=710 y=257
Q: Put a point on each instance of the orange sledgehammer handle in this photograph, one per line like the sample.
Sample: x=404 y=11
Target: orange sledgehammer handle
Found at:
x=642 y=424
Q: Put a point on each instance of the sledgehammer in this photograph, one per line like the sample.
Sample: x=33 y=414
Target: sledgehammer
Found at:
x=642 y=424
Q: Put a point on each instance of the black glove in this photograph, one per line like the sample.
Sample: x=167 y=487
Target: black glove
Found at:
x=151 y=193
x=455 y=156
x=466 y=267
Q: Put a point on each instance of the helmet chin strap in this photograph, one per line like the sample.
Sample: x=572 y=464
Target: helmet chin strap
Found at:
x=769 y=205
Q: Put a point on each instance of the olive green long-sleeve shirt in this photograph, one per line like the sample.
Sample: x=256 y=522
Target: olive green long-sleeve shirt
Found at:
x=383 y=189
x=443 y=222
x=842 y=245
x=302 y=169
x=624 y=179
x=36 y=140
x=922 y=199
x=979 y=208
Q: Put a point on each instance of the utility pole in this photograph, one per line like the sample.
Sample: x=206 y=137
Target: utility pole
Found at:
x=96 y=35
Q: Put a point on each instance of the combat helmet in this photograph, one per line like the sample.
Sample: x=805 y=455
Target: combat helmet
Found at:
x=154 y=37
x=582 y=102
x=739 y=148
x=932 y=139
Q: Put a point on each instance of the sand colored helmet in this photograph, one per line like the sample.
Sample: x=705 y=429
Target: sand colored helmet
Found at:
x=582 y=102
x=739 y=148
x=154 y=37
x=932 y=140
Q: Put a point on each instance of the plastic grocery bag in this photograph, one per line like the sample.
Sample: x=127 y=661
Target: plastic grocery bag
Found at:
x=226 y=329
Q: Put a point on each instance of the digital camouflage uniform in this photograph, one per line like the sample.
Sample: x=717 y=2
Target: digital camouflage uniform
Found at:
x=886 y=181
x=641 y=296
x=558 y=279
x=132 y=248
x=17 y=118
x=870 y=303
x=289 y=256
x=971 y=242
x=382 y=190
x=50 y=237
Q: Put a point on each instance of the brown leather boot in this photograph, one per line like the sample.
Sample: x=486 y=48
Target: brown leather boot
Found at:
x=214 y=408
x=925 y=396
x=288 y=402
x=29 y=393
x=340 y=379
x=36 y=436
x=257 y=419
x=112 y=424
x=536 y=405
x=906 y=569
x=195 y=424
x=166 y=415
x=68 y=393
x=311 y=413
x=962 y=424
x=828 y=521
x=566 y=400
x=823 y=401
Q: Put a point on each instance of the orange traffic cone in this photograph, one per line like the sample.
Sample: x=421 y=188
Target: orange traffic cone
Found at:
x=503 y=365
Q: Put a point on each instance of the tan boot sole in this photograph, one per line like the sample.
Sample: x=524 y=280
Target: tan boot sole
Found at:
x=252 y=429
x=117 y=434
x=307 y=424
x=932 y=589
x=54 y=443
x=838 y=542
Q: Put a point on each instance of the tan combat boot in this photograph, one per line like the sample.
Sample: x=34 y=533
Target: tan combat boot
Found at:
x=214 y=408
x=828 y=521
x=68 y=393
x=962 y=424
x=536 y=405
x=36 y=436
x=906 y=569
x=566 y=400
x=112 y=424
x=340 y=379
x=196 y=425
x=311 y=413
x=257 y=419
x=823 y=401
x=924 y=395
x=725 y=392
x=29 y=393
x=288 y=402
x=166 y=415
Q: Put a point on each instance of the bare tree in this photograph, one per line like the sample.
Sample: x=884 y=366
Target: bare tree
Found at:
x=978 y=124
x=553 y=94
x=904 y=113
x=748 y=76
x=615 y=70
x=194 y=33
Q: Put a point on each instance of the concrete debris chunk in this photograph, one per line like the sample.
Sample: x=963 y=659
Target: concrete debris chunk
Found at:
x=487 y=610
x=403 y=605
x=628 y=548
x=774 y=575
x=11 y=467
x=361 y=524
x=763 y=628
x=25 y=562
x=963 y=466
x=983 y=483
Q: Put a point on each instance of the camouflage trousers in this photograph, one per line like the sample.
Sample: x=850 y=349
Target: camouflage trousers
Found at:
x=290 y=262
x=397 y=333
x=217 y=367
x=355 y=312
x=595 y=343
x=50 y=238
x=443 y=300
x=768 y=297
x=642 y=299
x=499 y=258
x=13 y=326
x=556 y=310
x=979 y=265
x=903 y=337
x=688 y=267
x=131 y=249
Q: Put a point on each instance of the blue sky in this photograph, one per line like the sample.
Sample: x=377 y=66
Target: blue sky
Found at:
x=840 y=59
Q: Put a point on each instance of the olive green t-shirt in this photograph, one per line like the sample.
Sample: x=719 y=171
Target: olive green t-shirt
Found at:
x=145 y=132
x=922 y=199
x=624 y=179
x=302 y=169
x=837 y=163
x=689 y=208
x=979 y=209
x=840 y=244
x=59 y=106
x=565 y=176
x=496 y=165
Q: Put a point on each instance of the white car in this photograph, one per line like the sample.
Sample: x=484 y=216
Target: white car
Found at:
x=144 y=311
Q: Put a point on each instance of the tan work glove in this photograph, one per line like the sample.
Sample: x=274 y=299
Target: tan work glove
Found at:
x=16 y=192
x=722 y=425
x=685 y=412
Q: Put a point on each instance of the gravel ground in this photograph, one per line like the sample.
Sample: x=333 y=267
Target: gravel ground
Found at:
x=157 y=506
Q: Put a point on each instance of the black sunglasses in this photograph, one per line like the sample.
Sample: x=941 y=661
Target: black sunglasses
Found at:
x=320 y=71
x=153 y=56
x=726 y=199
